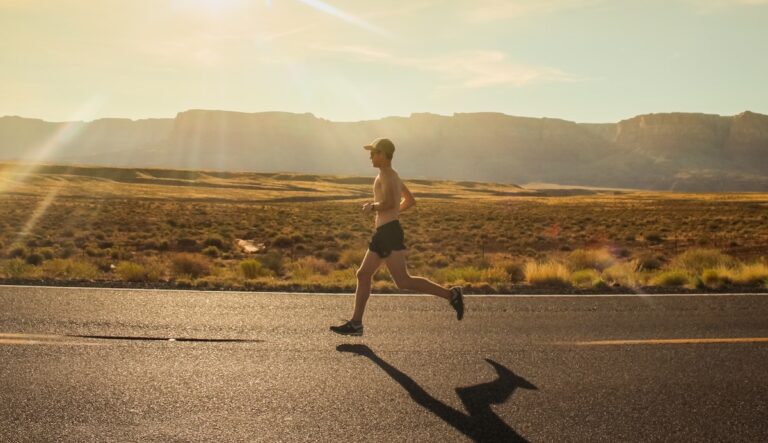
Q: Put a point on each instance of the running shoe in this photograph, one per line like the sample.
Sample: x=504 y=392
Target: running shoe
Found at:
x=348 y=328
x=457 y=301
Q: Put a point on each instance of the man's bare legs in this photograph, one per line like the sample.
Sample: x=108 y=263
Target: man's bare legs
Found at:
x=368 y=267
x=399 y=271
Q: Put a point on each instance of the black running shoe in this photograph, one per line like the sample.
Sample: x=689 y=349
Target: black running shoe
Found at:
x=457 y=301
x=348 y=328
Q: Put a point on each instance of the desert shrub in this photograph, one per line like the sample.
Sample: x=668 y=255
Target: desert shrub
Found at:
x=186 y=245
x=81 y=240
x=600 y=284
x=148 y=245
x=342 y=276
x=189 y=265
x=272 y=260
x=515 y=269
x=95 y=252
x=253 y=269
x=585 y=278
x=131 y=271
x=105 y=244
x=331 y=255
x=752 y=274
x=70 y=269
x=45 y=242
x=156 y=268
x=654 y=237
x=714 y=278
x=672 y=278
x=439 y=261
x=282 y=241
x=17 y=252
x=34 y=259
x=47 y=253
x=307 y=267
x=15 y=268
x=217 y=241
x=66 y=251
x=212 y=251
x=351 y=258
x=597 y=259
x=120 y=254
x=696 y=260
x=472 y=274
x=547 y=274
x=623 y=274
x=648 y=262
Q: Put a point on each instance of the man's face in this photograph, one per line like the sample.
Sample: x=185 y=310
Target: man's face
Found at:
x=376 y=157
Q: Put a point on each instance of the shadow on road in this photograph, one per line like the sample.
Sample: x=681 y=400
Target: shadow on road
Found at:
x=481 y=424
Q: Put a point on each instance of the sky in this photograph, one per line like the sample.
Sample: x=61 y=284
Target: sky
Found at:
x=352 y=60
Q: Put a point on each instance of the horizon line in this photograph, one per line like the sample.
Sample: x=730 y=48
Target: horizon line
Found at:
x=380 y=118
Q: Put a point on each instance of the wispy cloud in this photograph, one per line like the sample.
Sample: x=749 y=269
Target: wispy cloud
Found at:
x=469 y=69
x=494 y=10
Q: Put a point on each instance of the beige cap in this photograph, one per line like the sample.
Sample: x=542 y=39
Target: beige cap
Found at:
x=383 y=145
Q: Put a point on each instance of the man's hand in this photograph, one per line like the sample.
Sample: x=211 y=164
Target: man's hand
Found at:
x=367 y=207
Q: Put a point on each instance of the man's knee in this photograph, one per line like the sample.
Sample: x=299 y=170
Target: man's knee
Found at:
x=363 y=274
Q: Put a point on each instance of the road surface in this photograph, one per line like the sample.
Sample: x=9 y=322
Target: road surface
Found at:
x=106 y=365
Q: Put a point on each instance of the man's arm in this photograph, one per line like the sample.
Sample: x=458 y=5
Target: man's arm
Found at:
x=408 y=199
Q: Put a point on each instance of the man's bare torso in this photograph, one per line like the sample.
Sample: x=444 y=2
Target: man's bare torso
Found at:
x=395 y=188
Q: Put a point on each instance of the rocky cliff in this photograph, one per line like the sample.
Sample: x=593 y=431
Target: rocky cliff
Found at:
x=680 y=151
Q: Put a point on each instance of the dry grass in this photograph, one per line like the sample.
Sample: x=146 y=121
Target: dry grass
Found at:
x=696 y=260
x=475 y=235
x=673 y=278
x=550 y=274
x=130 y=271
x=585 y=278
x=595 y=259
x=752 y=274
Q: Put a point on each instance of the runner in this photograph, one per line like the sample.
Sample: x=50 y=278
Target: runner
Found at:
x=391 y=196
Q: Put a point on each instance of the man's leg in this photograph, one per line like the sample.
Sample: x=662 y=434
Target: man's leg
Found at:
x=398 y=269
x=368 y=267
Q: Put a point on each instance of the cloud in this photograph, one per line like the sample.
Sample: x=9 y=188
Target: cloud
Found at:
x=494 y=10
x=468 y=69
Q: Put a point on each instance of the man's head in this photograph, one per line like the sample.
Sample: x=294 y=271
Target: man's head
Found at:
x=382 y=150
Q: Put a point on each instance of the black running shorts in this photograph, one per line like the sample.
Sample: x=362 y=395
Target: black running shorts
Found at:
x=387 y=238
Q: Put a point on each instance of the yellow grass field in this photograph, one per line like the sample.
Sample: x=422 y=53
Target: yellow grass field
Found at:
x=162 y=228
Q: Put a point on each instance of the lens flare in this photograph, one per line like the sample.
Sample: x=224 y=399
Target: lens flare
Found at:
x=345 y=16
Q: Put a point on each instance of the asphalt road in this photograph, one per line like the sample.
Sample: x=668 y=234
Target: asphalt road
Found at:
x=96 y=365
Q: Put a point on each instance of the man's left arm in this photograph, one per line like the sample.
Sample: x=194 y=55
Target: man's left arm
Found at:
x=407 y=198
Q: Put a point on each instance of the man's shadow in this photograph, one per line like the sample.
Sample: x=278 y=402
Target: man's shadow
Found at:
x=481 y=424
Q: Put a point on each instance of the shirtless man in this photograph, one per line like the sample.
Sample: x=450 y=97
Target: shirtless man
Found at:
x=391 y=196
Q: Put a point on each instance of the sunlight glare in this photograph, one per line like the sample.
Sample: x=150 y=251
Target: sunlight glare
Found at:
x=44 y=152
x=347 y=17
